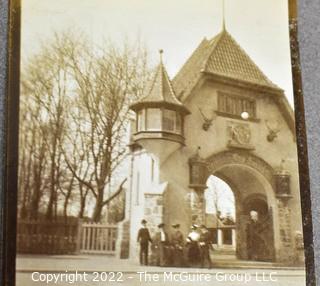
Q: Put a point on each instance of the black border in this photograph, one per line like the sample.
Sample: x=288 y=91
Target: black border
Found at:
x=305 y=192
x=9 y=205
x=10 y=179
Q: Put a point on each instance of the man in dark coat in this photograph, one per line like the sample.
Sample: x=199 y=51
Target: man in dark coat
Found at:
x=144 y=239
x=177 y=243
x=255 y=242
x=160 y=245
x=205 y=246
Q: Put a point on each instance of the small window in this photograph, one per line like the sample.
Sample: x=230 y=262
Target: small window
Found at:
x=169 y=120
x=153 y=119
x=152 y=169
x=234 y=105
x=141 y=120
x=178 y=123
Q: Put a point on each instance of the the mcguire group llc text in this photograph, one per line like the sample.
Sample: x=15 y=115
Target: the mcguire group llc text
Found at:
x=207 y=277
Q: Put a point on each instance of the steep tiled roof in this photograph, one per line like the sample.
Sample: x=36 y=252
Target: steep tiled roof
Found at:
x=160 y=91
x=220 y=56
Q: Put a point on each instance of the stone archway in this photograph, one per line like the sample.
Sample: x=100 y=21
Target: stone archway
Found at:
x=251 y=180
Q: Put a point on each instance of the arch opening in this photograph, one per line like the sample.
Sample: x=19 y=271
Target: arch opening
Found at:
x=248 y=190
x=220 y=214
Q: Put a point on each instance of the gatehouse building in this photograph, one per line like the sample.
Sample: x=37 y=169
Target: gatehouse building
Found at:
x=220 y=115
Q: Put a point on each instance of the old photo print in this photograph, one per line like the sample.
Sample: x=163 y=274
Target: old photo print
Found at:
x=157 y=144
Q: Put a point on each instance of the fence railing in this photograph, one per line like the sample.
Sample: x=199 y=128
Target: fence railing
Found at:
x=65 y=237
x=43 y=237
x=98 y=238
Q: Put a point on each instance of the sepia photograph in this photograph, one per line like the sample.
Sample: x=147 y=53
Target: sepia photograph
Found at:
x=157 y=144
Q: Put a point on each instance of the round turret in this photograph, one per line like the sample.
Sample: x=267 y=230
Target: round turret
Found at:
x=160 y=116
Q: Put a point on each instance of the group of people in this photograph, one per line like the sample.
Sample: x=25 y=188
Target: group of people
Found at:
x=192 y=251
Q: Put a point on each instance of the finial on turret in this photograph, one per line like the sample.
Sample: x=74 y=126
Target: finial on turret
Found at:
x=223 y=16
x=161 y=53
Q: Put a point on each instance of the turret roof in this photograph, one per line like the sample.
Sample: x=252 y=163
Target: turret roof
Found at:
x=160 y=90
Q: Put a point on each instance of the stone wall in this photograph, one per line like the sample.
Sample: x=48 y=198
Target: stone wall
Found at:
x=153 y=211
x=123 y=240
x=286 y=253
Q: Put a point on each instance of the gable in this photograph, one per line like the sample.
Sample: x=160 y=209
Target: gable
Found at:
x=223 y=59
x=220 y=56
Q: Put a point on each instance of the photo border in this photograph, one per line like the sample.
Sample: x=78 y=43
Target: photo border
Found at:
x=8 y=198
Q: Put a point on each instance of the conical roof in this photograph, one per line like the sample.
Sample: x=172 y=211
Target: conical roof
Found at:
x=160 y=92
x=220 y=56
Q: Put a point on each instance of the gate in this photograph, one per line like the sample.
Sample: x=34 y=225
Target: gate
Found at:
x=98 y=238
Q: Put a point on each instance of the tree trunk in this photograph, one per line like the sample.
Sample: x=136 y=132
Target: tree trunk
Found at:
x=36 y=194
x=96 y=217
x=52 y=195
x=66 y=203
x=82 y=206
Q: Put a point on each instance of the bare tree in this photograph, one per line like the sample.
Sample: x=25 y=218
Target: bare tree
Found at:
x=107 y=81
x=79 y=97
x=45 y=98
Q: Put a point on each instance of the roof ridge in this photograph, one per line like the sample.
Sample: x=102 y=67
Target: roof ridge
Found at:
x=204 y=40
x=215 y=40
x=170 y=85
x=152 y=84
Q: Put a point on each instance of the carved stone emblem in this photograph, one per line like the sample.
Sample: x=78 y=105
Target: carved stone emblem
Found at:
x=239 y=135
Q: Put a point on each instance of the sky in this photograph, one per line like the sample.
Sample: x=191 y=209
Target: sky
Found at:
x=176 y=26
x=219 y=196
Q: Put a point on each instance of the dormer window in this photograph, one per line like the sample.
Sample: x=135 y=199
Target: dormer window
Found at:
x=234 y=105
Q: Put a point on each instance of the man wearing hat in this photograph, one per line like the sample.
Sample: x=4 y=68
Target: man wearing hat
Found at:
x=205 y=246
x=160 y=245
x=144 y=239
x=177 y=245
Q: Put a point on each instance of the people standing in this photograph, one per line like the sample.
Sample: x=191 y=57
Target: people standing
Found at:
x=205 y=247
x=254 y=239
x=193 y=246
x=144 y=239
x=177 y=243
x=160 y=245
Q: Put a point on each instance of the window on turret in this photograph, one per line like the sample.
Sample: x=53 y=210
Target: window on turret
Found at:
x=141 y=120
x=179 y=123
x=235 y=105
x=169 y=120
x=153 y=119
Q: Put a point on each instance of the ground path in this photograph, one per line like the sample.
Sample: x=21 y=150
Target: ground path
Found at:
x=248 y=274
